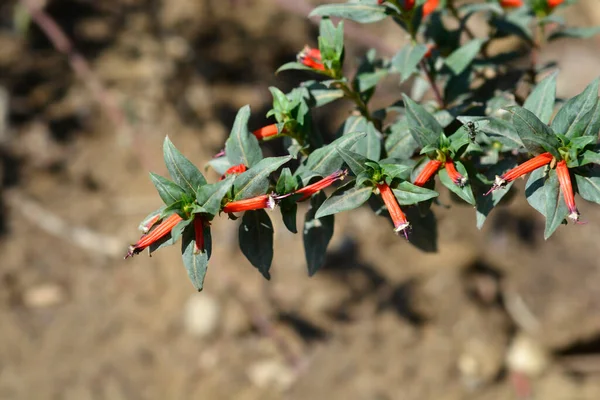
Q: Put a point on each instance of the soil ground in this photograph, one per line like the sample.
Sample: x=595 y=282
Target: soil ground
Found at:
x=383 y=320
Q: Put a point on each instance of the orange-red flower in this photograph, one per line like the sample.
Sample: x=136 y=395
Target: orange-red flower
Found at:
x=311 y=189
x=253 y=203
x=408 y=5
x=554 y=3
x=398 y=217
x=456 y=177
x=235 y=170
x=430 y=6
x=430 y=48
x=511 y=3
x=525 y=168
x=564 y=179
x=266 y=131
x=159 y=232
x=311 y=58
x=426 y=173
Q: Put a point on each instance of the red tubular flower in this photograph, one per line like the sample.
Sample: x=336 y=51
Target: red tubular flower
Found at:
x=430 y=6
x=266 y=131
x=408 y=5
x=456 y=177
x=554 y=3
x=398 y=217
x=235 y=170
x=199 y=231
x=430 y=48
x=160 y=231
x=525 y=168
x=311 y=58
x=511 y=3
x=427 y=172
x=564 y=179
x=253 y=203
x=311 y=189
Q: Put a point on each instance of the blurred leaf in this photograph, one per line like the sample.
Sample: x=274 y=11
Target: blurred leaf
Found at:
x=580 y=33
x=465 y=192
x=461 y=58
x=400 y=143
x=556 y=209
x=317 y=233
x=168 y=191
x=541 y=100
x=370 y=145
x=407 y=59
x=417 y=115
x=359 y=12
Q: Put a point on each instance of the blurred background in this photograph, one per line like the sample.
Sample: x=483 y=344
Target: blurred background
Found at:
x=494 y=314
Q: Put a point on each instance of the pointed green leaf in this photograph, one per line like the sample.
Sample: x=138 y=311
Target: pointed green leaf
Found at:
x=326 y=159
x=354 y=161
x=580 y=33
x=168 y=191
x=408 y=194
x=465 y=192
x=536 y=136
x=219 y=164
x=255 y=181
x=427 y=139
x=370 y=145
x=210 y=196
x=195 y=263
x=588 y=187
x=461 y=58
x=590 y=157
x=316 y=234
x=256 y=240
x=534 y=190
x=293 y=65
x=406 y=60
x=242 y=147
x=345 y=198
x=184 y=173
x=487 y=202
x=575 y=115
x=400 y=143
x=359 y=12
x=541 y=100
x=556 y=209
x=418 y=116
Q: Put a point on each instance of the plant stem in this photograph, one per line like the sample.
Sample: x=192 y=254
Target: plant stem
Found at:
x=454 y=12
x=360 y=104
x=434 y=87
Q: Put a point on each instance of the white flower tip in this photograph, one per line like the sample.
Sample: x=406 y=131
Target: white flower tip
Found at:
x=271 y=202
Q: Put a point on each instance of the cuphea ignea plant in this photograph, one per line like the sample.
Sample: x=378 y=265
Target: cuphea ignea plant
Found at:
x=472 y=134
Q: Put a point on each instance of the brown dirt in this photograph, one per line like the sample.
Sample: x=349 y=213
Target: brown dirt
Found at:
x=381 y=321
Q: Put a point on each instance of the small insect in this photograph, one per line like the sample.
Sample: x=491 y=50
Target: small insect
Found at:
x=472 y=128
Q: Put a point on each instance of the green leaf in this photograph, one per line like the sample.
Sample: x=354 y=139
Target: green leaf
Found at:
x=196 y=264
x=575 y=115
x=316 y=234
x=255 y=181
x=465 y=192
x=293 y=65
x=370 y=145
x=556 y=209
x=220 y=165
x=593 y=127
x=354 y=161
x=397 y=169
x=534 y=191
x=408 y=194
x=289 y=211
x=426 y=138
x=486 y=203
x=579 y=33
x=406 y=60
x=359 y=12
x=331 y=39
x=210 y=196
x=322 y=94
x=256 y=240
x=461 y=58
x=184 y=173
x=541 y=100
x=418 y=116
x=536 y=136
x=588 y=187
x=242 y=147
x=326 y=159
x=168 y=191
x=345 y=198
x=143 y=226
x=590 y=157
x=400 y=143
